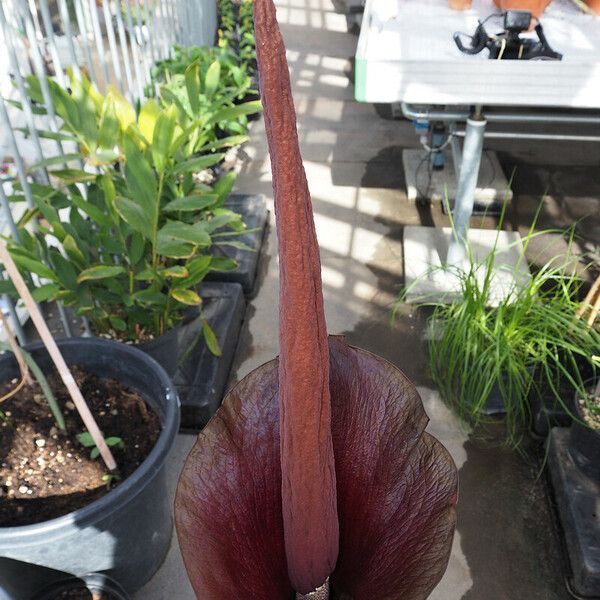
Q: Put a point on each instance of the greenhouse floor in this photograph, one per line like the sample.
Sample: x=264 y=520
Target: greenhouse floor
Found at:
x=505 y=546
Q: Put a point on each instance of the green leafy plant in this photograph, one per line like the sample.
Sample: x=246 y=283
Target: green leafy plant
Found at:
x=236 y=31
x=234 y=76
x=529 y=342
x=86 y=440
x=125 y=241
x=207 y=109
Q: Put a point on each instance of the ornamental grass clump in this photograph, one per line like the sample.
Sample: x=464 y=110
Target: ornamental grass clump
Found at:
x=531 y=342
x=317 y=466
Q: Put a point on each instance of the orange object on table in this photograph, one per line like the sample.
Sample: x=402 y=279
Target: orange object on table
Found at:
x=460 y=4
x=593 y=5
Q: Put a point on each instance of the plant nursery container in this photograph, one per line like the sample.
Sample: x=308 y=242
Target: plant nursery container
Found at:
x=95 y=583
x=126 y=533
x=253 y=209
x=584 y=442
x=573 y=455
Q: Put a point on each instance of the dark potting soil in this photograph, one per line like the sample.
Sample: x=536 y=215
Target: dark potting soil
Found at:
x=82 y=593
x=44 y=473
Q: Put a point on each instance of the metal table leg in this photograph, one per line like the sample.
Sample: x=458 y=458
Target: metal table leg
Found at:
x=467 y=184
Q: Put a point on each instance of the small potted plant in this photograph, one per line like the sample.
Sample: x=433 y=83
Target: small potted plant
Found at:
x=137 y=243
x=61 y=510
x=490 y=358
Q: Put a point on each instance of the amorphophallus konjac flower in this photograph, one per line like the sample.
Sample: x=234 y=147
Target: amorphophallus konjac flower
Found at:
x=317 y=464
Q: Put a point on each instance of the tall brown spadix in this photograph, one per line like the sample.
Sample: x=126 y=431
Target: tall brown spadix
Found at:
x=307 y=463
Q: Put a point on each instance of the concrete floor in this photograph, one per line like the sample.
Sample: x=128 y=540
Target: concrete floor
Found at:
x=505 y=545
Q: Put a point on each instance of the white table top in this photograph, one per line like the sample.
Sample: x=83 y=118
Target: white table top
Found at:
x=406 y=54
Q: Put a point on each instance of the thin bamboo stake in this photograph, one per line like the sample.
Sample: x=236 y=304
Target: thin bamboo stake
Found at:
x=56 y=356
x=594 y=311
x=589 y=298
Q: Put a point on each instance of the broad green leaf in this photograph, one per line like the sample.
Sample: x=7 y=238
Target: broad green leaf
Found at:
x=163 y=137
x=91 y=211
x=210 y=338
x=134 y=214
x=136 y=248
x=211 y=80
x=191 y=203
x=65 y=271
x=176 y=272
x=189 y=297
x=198 y=163
x=146 y=274
x=45 y=292
x=231 y=113
x=69 y=176
x=224 y=185
x=65 y=106
x=147 y=118
x=232 y=140
x=100 y=158
x=108 y=135
x=222 y=263
x=224 y=218
x=86 y=439
x=192 y=84
x=73 y=251
x=100 y=272
x=49 y=135
x=54 y=160
x=198 y=267
x=124 y=111
x=151 y=297
x=117 y=323
x=114 y=441
x=184 y=232
x=33 y=265
x=88 y=104
x=141 y=181
x=8 y=287
x=95 y=453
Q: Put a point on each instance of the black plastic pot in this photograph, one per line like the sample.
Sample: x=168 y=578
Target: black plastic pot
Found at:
x=253 y=209
x=168 y=349
x=584 y=443
x=96 y=582
x=125 y=534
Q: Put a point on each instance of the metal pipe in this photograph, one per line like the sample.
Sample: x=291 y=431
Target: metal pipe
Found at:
x=14 y=149
x=66 y=20
x=465 y=193
x=124 y=50
x=536 y=136
x=49 y=31
x=16 y=72
x=83 y=35
x=134 y=52
x=153 y=52
x=38 y=65
x=112 y=44
x=427 y=114
x=92 y=11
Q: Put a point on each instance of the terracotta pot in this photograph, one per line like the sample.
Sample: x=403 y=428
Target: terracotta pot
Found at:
x=535 y=7
x=594 y=5
x=460 y=4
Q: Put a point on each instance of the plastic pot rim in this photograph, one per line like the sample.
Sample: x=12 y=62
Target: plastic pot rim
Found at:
x=133 y=485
